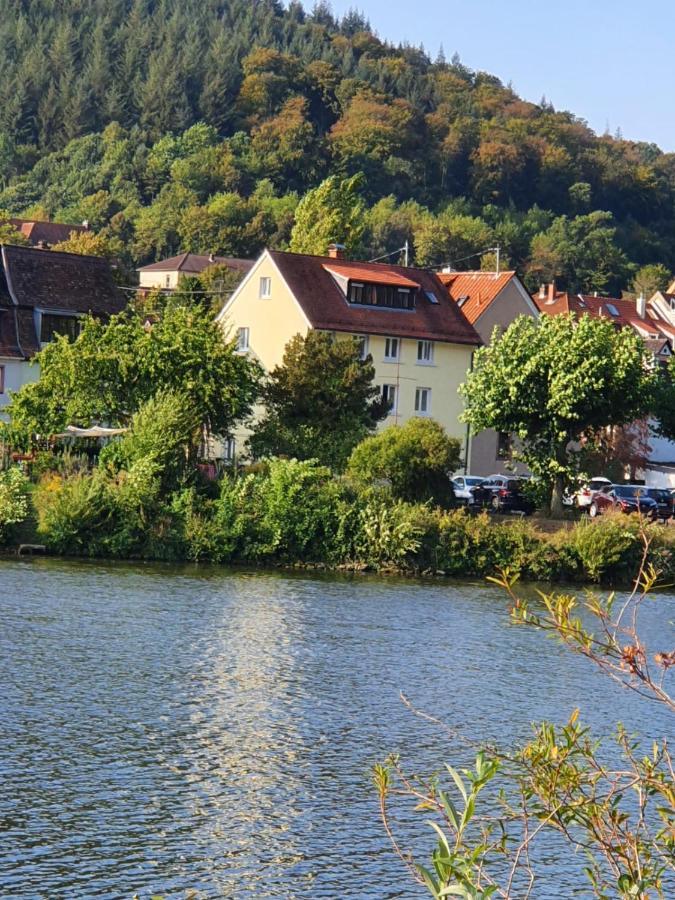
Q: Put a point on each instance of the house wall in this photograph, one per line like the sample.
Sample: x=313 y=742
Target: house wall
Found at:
x=507 y=306
x=273 y=322
x=158 y=279
x=17 y=373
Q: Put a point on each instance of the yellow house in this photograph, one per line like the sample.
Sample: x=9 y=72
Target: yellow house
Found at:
x=420 y=343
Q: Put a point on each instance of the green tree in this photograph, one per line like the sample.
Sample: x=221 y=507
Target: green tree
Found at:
x=555 y=383
x=332 y=212
x=319 y=403
x=112 y=368
x=581 y=254
x=651 y=278
x=417 y=458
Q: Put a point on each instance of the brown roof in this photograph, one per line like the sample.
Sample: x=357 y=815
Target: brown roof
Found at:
x=325 y=305
x=475 y=291
x=45 y=232
x=194 y=263
x=49 y=281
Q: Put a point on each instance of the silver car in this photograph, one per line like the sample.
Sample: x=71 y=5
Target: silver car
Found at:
x=464 y=486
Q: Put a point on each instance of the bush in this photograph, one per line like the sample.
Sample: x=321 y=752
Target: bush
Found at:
x=416 y=459
x=13 y=501
x=608 y=548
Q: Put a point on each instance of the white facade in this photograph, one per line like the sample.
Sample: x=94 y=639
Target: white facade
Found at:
x=14 y=373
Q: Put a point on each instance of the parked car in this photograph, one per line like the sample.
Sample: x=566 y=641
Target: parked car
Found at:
x=464 y=486
x=628 y=498
x=503 y=493
x=583 y=497
x=665 y=502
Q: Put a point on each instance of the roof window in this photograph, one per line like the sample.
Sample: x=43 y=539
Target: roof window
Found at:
x=611 y=309
x=462 y=300
x=431 y=297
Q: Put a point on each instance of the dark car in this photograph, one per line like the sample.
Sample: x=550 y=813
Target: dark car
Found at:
x=665 y=502
x=503 y=493
x=628 y=498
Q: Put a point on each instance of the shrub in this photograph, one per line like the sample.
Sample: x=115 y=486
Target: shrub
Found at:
x=13 y=501
x=388 y=532
x=416 y=459
x=611 y=547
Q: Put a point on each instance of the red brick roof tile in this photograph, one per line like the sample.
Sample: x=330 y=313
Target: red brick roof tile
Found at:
x=475 y=290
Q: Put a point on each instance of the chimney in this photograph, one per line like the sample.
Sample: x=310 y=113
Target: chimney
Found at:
x=641 y=304
x=336 y=251
x=551 y=293
x=542 y=291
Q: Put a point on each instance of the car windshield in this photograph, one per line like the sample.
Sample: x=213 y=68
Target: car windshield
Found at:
x=658 y=494
x=512 y=485
x=630 y=491
x=597 y=484
x=472 y=482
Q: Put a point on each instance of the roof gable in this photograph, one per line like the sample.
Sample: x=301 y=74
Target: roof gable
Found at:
x=474 y=292
x=196 y=263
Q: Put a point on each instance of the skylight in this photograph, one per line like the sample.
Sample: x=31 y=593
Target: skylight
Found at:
x=462 y=300
x=431 y=297
x=613 y=311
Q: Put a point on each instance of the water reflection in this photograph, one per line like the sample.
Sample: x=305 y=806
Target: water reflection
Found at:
x=171 y=729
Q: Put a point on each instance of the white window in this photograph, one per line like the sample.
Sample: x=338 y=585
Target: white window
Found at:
x=242 y=340
x=425 y=353
x=229 y=450
x=362 y=340
x=265 y=290
x=167 y=281
x=423 y=401
x=392 y=349
x=389 y=395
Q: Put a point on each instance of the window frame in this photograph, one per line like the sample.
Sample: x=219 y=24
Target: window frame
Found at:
x=387 y=347
x=420 y=394
x=267 y=281
x=54 y=314
x=364 y=340
x=423 y=344
x=389 y=388
x=243 y=346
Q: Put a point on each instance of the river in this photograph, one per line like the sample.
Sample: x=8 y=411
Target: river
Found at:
x=168 y=729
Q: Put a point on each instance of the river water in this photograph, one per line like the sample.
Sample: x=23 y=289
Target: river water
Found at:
x=169 y=729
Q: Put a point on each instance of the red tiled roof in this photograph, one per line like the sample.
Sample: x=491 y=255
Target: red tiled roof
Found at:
x=193 y=262
x=46 y=232
x=47 y=280
x=326 y=306
x=372 y=275
x=479 y=289
x=604 y=307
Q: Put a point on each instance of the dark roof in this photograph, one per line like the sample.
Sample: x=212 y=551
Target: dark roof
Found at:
x=49 y=281
x=326 y=307
x=45 y=232
x=193 y=262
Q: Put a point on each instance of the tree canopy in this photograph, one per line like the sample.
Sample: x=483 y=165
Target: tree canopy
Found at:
x=113 y=368
x=554 y=383
x=319 y=403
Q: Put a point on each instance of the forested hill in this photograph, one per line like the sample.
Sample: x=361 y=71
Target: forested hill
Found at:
x=198 y=124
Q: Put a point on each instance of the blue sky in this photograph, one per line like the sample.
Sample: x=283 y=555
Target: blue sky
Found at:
x=611 y=63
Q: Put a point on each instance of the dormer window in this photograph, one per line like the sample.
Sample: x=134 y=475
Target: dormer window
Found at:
x=53 y=324
x=384 y=295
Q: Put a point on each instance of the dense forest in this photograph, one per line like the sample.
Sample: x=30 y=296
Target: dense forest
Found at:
x=200 y=124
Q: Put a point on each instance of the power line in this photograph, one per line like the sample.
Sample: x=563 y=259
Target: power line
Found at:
x=169 y=291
